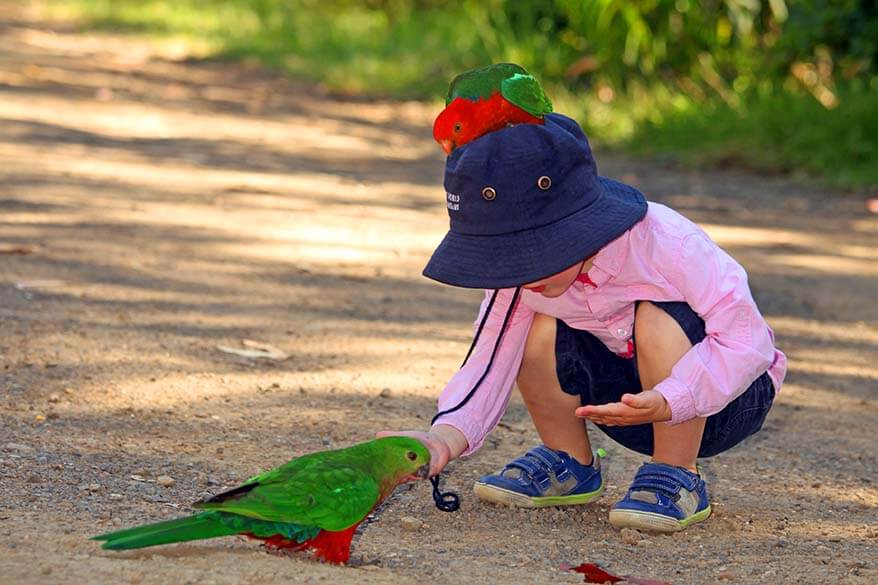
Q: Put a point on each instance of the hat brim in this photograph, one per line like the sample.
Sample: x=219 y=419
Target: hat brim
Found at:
x=518 y=258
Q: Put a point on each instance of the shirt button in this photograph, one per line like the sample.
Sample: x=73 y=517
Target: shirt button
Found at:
x=621 y=331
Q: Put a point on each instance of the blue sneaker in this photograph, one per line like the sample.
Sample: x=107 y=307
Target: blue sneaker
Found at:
x=543 y=477
x=662 y=498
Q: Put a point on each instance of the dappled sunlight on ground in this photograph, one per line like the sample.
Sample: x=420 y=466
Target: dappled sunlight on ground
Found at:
x=173 y=206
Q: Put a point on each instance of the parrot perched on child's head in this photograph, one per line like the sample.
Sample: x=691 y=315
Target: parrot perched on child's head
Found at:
x=313 y=502
x=487 y=99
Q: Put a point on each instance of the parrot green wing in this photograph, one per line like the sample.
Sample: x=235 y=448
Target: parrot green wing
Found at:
x=526 y=92
x=481 y=83
x=314 y=491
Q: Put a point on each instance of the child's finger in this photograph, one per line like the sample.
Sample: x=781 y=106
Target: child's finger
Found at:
x=594 y=410
x=611 y=409
x=633 y=400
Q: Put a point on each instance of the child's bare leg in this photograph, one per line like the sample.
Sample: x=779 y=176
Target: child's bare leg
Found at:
x=551 y=409
x=660 y=344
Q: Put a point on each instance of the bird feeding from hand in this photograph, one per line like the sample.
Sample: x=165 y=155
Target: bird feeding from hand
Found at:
x=314 y=502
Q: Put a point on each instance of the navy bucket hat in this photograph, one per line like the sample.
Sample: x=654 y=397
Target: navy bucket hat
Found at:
x=525 y=203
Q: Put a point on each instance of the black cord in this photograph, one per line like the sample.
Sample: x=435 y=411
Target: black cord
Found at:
x=449 y=501
x=478 y=383
x=478 y=334
x=446 y=501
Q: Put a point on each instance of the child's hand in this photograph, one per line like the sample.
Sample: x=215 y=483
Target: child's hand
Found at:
x=648 y=406
x=440 y=453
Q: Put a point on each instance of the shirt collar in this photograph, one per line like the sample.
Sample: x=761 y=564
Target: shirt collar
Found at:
x=609 y=260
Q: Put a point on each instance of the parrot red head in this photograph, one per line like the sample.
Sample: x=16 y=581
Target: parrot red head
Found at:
x=457 y=124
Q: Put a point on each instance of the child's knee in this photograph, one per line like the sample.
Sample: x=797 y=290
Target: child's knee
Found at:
x=654 y=328
x=539 y=349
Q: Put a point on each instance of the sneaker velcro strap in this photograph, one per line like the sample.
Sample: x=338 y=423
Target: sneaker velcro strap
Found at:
x=533 y=469
x=655 y=486
x=663 y=478
x=678 y=475
x=552 y=461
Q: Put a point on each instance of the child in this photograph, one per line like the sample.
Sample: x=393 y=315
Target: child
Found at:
x=628 y=315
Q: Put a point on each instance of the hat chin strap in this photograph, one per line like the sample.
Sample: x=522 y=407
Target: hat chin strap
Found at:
x=449 y=501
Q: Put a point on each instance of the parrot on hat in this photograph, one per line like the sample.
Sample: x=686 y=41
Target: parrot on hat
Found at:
x=313 y=502
x=487 y=99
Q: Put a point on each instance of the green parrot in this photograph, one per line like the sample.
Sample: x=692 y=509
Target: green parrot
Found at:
x=313 y=502
x=487 y=99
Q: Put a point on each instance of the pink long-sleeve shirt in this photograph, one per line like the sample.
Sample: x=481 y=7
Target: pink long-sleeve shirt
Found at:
x=664 y=257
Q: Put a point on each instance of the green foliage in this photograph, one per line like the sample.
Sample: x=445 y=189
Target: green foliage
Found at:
x=788 y=71
x=778 y=132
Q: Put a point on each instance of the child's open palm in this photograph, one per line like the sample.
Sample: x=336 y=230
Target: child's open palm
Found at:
x=648 y=406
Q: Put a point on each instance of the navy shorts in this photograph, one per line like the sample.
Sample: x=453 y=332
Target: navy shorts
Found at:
x=588 y=368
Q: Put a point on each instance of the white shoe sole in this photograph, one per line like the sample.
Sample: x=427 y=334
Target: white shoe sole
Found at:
x=653 y=522
x=504 y=497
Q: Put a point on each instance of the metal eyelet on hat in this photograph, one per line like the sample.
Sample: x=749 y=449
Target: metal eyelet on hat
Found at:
x=544 y=182
x=488 y=193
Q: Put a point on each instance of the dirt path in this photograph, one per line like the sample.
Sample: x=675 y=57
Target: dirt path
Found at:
x=174 y=206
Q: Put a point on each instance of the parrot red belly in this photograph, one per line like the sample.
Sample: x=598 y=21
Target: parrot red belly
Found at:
x=332 y=547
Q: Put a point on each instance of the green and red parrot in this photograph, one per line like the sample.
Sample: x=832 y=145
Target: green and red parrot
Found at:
x=313 y=502
x=487 y=99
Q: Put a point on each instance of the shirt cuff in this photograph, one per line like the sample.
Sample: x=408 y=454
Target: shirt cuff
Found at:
x=679 y=398
x=472 y=432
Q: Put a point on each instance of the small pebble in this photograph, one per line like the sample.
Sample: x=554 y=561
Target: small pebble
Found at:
x=630 y=536
x=54 y=397
x=18 y=448
x=165 y=480
x=386 y=393
x=725 y=576
x=410 y=523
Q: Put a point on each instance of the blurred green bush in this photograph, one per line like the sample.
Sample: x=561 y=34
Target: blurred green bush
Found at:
x=790 y=84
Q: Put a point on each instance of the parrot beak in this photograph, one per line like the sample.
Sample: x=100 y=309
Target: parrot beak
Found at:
x=447 y=146
x=423 y=472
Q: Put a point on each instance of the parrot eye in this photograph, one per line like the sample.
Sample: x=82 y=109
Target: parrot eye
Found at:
x=411 y=455
x=457 y=127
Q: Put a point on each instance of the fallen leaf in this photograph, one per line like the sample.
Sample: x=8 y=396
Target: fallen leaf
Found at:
x=256 y=350
x=595 y=574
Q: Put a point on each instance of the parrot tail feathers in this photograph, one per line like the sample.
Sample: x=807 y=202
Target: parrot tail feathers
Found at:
x=195 y=527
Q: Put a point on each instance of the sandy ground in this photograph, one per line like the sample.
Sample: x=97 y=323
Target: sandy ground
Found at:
x=171 y=205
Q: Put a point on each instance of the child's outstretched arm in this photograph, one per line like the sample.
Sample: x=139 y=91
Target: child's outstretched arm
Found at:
x=463 y=430
x=444 y=442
